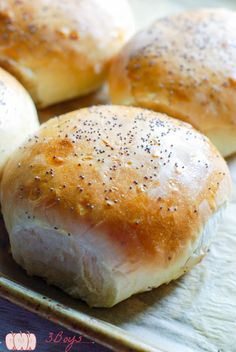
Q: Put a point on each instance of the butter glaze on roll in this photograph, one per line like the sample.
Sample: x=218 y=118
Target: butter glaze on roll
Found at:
x=184 y=65
x=109 y=201
x=61 y=49
x=18 y=116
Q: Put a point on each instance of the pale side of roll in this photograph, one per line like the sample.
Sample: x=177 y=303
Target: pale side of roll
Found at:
x=184 y=65
x=61 y=49
x=108 y=201
x=18 y=116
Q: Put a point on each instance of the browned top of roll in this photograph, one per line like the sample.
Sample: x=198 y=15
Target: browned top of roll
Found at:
x=183 y=65
x=61 y=49
x=146 y=181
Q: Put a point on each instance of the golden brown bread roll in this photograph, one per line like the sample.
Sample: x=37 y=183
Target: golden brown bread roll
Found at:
x=18 y=116
x=184 y=65
x=61 y=49
x=109 y=201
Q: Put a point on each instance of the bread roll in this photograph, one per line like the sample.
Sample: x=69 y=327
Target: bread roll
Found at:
x=184 y=65
x=18 y=116
x=109 y=201
x=61 y=49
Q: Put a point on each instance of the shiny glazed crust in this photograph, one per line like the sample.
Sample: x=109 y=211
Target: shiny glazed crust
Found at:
x=184 y=65
x=61 y=49
x=126 y=187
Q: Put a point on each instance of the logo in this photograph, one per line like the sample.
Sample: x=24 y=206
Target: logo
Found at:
x=68 y=341
x=20 y=341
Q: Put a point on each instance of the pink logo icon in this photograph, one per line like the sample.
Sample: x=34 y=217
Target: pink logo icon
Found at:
x=20 y=341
